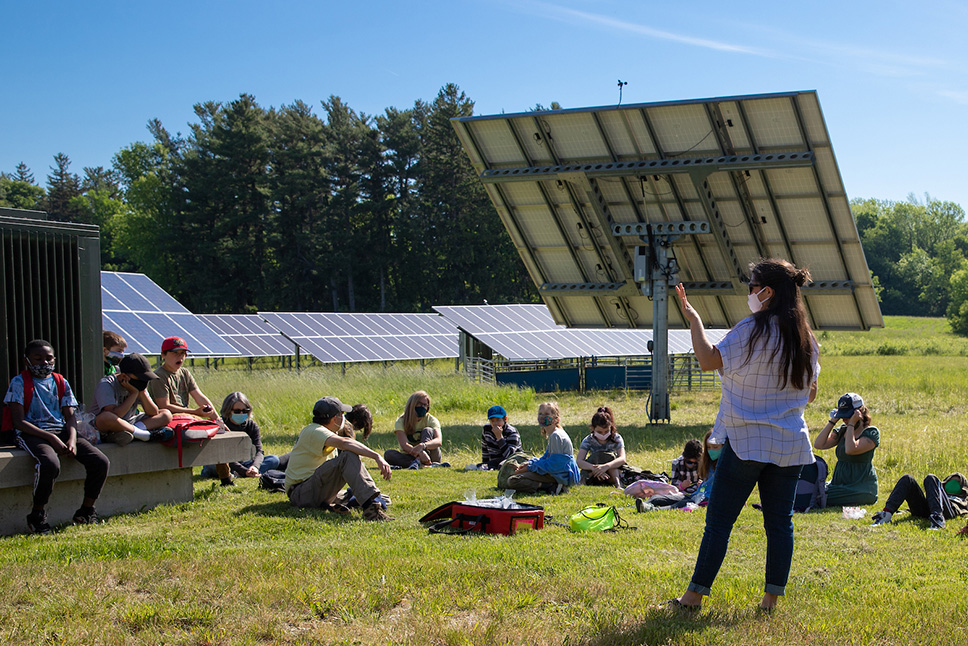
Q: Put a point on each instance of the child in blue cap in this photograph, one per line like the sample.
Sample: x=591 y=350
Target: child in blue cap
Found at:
x=499 y=440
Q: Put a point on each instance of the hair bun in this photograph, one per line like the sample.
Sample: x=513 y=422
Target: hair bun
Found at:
x=802 y=277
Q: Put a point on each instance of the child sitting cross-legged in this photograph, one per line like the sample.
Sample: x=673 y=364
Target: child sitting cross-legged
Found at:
x=601 y=454
x=116 y=400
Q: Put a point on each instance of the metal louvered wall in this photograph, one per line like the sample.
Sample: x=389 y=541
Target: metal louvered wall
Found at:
x=50 y=288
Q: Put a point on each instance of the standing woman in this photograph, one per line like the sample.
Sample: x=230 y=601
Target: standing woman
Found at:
x=418 y=434
x=769 y=363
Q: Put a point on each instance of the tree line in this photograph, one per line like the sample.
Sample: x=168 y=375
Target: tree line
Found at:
x=283 y=209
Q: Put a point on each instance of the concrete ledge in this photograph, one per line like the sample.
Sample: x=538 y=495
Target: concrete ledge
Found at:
x=142 y=476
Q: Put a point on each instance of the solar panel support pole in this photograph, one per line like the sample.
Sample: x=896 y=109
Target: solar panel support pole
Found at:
x=663 y=272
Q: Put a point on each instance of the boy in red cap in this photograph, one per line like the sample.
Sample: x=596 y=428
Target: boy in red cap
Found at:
x=175 y=388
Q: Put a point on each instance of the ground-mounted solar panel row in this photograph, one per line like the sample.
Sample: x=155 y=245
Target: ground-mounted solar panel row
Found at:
x=144 y=314
x=527 y=332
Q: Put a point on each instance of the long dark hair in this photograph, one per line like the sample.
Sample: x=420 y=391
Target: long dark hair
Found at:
x=604 y=418
x=785 y=308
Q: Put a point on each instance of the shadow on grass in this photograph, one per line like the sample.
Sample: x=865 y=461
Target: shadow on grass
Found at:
x=662 y=626
x=283 y=509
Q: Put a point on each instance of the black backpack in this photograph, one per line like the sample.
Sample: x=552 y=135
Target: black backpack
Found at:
x=812 y=486
x=273 y=481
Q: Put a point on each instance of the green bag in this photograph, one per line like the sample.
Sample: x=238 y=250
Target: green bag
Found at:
x=595 y=518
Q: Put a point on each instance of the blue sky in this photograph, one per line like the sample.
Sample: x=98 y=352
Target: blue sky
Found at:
x=83 y=78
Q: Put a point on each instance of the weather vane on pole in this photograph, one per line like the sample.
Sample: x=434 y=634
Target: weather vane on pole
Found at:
x=621 y=84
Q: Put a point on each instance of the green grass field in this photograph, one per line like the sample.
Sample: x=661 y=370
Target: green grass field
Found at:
x=240 y=566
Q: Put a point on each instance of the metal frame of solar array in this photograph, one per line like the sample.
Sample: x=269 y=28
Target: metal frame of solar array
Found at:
x=144 y=314
x=527 y=332
x=586 y=193
x=250 y=334
x=350 y=338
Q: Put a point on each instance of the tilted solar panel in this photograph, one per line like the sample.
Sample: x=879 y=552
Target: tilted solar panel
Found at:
x=144 y=314
x=590 y=197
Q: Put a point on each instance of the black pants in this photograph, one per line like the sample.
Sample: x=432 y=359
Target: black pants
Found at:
x=923 y=504
x=48 y=466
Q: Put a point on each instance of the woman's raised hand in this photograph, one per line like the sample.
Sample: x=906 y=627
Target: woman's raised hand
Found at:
x=690 y=313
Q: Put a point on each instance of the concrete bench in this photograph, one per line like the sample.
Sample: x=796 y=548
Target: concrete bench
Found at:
x=142 y=476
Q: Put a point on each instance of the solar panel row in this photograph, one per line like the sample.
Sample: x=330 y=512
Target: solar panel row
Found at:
x=250 y=334
x=348 y=338
x=528 y=333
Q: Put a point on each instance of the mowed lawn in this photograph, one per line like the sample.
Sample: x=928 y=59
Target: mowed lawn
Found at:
x=240 y=566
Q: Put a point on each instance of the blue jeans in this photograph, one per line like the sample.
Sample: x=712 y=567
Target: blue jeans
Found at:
x=268 y=462
x=734 y=484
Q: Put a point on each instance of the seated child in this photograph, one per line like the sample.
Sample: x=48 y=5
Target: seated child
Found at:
x=418 y=434
x=236 y=414
x=175 y=385
x=114 y=347
x=704 y=476
x=685 y=468
x=358 y=419
x=499 y=440
x=42 y=411
x=601 y=454
x=116 y=400
x=554 y=471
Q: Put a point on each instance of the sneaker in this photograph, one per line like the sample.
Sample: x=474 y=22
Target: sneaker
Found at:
x=414 y=465
x=440 y=464
x=375 y=512
x=82 y=517
x=162 y=434
x=227 y=482
x=937 y=521
x=881 y=518
x=643 y=506
x=37 y=522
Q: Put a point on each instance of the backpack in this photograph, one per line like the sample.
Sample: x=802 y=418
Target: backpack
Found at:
x=273 y=481
x=811 y=487
x=7 y=431
x=596 y=518
x=508 y=467
x=190 y=430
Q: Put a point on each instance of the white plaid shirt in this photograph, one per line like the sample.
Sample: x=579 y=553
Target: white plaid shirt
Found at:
x=763 y=422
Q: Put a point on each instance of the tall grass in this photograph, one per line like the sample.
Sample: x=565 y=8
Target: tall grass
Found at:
x=241 y=566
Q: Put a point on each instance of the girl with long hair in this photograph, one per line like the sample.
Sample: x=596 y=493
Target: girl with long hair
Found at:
x=418 y=434
x=601 y=454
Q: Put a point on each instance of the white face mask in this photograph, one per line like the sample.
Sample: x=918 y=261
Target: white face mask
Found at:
x=601 y=437
x=753 y=300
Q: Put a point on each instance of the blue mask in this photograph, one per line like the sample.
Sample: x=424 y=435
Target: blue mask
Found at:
x=114 y=358
x=41 y=371
x=239 y=418
x=421 y=411
x=713 y=453
x=547 y=420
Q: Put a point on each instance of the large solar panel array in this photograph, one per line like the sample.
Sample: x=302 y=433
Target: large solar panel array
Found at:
x=586 y=194
x=250 y=334
x=528 y=333
x=347 y=338
x=144 y=314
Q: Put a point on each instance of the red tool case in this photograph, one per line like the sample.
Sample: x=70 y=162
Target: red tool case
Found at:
x=484 y=516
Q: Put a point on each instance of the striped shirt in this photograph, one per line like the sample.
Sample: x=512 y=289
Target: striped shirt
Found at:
x=495 y=451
